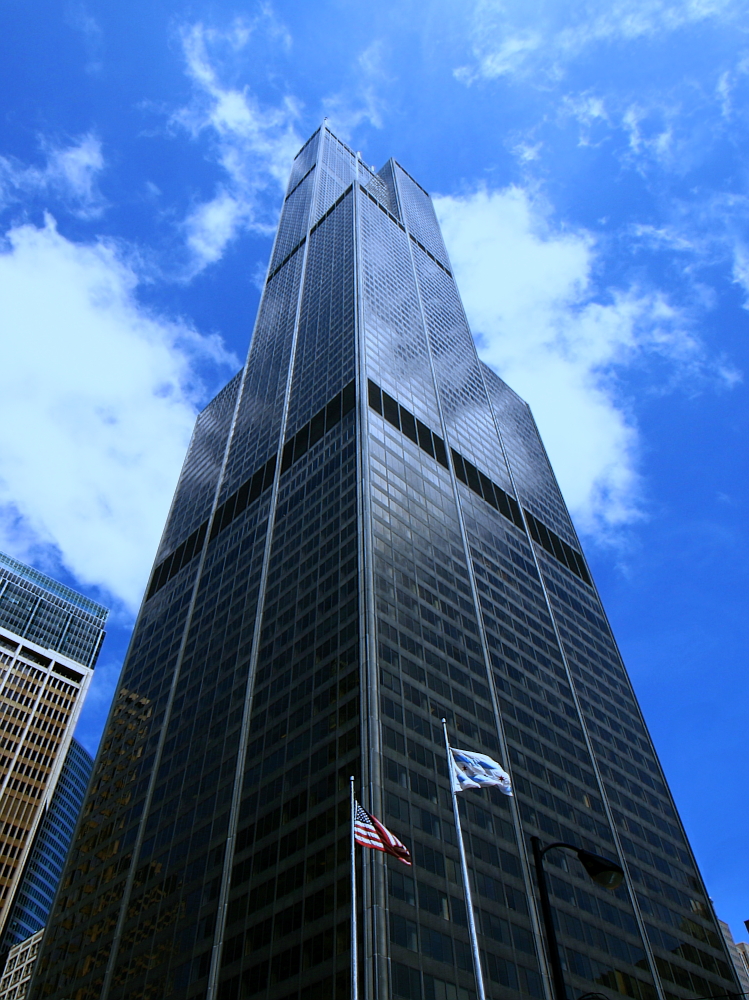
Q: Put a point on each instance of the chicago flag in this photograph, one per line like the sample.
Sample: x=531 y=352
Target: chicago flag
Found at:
x=475 y=770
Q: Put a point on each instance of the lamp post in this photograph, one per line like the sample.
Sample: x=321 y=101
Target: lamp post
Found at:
x=603 y=871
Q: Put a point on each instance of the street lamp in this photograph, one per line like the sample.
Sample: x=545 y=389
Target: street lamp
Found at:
x=603 y=871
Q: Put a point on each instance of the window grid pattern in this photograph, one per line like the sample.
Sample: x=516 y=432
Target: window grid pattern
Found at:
x=258 y=422
x=534 y=479
x=19 y=967
x=32 y=612
x=325 y=356
x=173 y=898
x=385 y=191
x=289 y=900
x=295 y=219
x=465 y=406
x=419 y=214
x=650 y=833
x=337 y=171
x=554 y=777
x=396 y=346
x=52 y=587
x=304 y=159
x=431 y=666
x=198 y=480
x=377 y=187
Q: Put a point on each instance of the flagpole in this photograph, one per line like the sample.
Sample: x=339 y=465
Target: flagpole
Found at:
x=354 y=932
x=464 y=872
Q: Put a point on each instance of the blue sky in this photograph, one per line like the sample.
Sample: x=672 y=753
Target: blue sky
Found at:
x=589 y=164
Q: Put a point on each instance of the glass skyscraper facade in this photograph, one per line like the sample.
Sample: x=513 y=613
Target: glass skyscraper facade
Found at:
x=367 y=537
x=50 y=637
x=36 y=891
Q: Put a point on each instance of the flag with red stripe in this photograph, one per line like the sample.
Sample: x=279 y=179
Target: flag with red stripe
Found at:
x=369 y=832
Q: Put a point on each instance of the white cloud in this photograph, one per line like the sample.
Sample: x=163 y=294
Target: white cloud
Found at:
x=590 y=113
x=651 y=134
x=540 y=322
x=212 y=225
x=254 y=144
x=740 y=268
x=73 y=170
x=521 y=40
x=79 y=18
x=706 y=232
x=98 y=402
x=354 y=105
x=527 y=152
x=70 y=175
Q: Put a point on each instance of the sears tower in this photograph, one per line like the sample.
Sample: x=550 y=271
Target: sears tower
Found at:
x=367 y=537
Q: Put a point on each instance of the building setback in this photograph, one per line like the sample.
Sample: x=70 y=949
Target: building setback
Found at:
x=367 y=537
x=50 y=637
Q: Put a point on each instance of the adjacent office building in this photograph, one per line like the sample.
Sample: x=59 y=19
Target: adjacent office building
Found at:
x=742 y=947
x=739 y=953
x=16 y=976
x=36 y=891
x=50 y=637
x=37 y=888
x=367 y=537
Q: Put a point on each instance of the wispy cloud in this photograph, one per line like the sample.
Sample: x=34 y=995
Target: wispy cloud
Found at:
x=253 y=143
x=562 y=342
x=520 y=40
x=95 y=419
x=702 y=233
x=651 y=133
x=70 y=176
x=361 y=102
x=81 y=20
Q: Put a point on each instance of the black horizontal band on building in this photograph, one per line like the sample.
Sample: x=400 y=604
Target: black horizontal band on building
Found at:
x=316 y=132
x=174 y=562
x=488 y=490
x=430 y=255
x=318 y=426
x=240 y=500
x=332 y=208
x=303 y=240
x=405 y=421
x=400 y=225
x=260 y=481
x=414 y=429
x=557 y=547
x=300 y=182
x=475 y=480
x=287 y=258
x=382 y=208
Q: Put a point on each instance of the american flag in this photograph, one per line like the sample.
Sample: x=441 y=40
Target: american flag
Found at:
x=369 y=832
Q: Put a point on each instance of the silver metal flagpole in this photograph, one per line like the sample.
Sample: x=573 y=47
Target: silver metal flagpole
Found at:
x=464 y=871
x=354 y=942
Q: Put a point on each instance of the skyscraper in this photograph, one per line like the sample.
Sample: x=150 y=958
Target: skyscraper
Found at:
x=50 y=637
x=366 y=538
x=36 y=890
